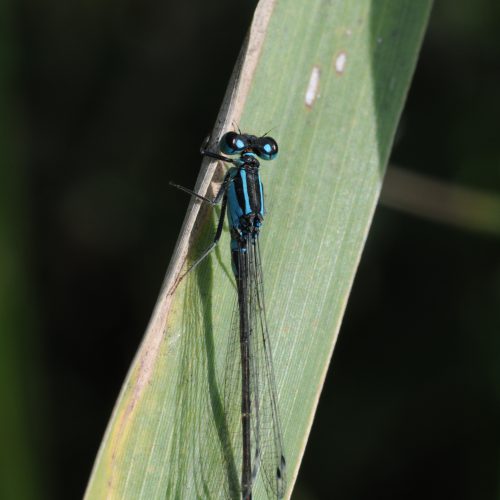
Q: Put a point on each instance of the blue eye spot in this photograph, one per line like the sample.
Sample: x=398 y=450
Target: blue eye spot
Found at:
x=266 y=148
x=240 y=144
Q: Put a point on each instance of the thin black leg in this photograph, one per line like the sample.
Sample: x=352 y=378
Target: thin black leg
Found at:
x=218 y=197
x=217 y=236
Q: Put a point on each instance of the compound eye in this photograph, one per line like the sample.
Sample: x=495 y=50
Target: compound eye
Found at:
x=266 y=148
x=232 y=143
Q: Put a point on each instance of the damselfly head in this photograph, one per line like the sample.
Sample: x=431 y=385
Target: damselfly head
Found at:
x=233 y=143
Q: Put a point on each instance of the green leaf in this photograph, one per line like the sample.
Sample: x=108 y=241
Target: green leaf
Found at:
x=329 y=78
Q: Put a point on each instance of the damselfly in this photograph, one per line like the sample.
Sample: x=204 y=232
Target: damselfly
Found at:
x=242 y=195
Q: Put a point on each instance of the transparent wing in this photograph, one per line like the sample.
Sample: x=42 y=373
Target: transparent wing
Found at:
x=232 y=403
x=266 y=426
x=266 y=437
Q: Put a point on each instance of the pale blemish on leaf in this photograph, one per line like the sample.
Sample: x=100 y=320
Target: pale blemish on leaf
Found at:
x=312 y=87
x=340 y=62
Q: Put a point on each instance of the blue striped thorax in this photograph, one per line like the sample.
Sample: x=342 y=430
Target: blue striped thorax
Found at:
x=245 y=193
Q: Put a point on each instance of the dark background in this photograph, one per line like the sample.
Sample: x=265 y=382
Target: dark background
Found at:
x=102 y=103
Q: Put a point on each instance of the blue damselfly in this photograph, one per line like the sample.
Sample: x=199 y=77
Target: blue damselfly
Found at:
x=242 y=196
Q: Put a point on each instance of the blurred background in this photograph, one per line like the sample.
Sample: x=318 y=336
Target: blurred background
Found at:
x=101 y=105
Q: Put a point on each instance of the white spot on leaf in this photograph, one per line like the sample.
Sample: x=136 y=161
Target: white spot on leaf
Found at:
x=340 y=62
x=312 y=87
